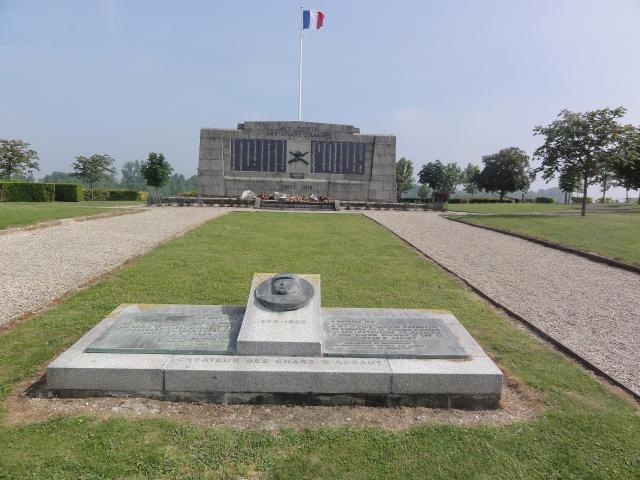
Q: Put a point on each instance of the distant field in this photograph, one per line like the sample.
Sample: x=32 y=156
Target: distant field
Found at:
x=614 y=235
x=14 y=214
x=510 y=207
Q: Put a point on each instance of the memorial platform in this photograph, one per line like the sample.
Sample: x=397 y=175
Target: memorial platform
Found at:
x=307 y=355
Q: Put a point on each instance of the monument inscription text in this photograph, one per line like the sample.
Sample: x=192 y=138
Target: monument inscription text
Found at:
x=353 y=333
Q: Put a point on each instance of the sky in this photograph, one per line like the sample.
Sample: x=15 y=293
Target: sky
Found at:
x=453 y=80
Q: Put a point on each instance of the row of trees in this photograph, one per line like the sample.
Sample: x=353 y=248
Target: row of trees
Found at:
x=17 y=159
x=584 y=149
x=155 y=170
x=503 y=172
x=580 y=149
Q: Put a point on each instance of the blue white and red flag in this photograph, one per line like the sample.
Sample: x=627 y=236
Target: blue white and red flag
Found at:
x=312 y=19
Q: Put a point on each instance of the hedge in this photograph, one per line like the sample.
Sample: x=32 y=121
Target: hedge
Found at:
x=114 y=194
x=68 y=192
x=27 y=192
x=544 y=200
x=579 y=199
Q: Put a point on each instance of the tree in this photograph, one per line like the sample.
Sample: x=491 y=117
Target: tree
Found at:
x=582 y=142
x=60 y=177
x=470 y=178
x=505 y=171
x=432 y=174
x=404 y=175
x=16 y=158
x=132 y=176
x=93 y=169
x=625 y=163
x=156 y=170
x=568 y=182
x=442 y=179
x=424 y=193
x=452 y=178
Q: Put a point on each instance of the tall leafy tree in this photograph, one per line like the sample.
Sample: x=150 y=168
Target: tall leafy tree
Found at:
x=16 y=158
x=132 y=175
x=156 y=170
x=452 y=178
x=442 y=179
x=470 y=178
x=432 y=174
x=625 y=163
x=404 y=175
x=93 y=169
x=505 y=171
x=582 y=142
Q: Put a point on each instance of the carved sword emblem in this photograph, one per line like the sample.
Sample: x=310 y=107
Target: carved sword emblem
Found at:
x=298 y=157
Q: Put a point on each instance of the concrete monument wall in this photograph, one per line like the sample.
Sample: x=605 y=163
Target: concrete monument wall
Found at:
x=297 y=157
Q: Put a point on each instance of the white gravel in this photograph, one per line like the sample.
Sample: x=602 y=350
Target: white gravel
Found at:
x=38 y=266
x=590 y=307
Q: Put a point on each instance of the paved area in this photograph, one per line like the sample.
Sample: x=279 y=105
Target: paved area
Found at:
x=41 y=265
x=589 y=307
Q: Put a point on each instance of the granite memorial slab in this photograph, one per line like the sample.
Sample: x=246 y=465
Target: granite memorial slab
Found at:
x=282 y=348
x=366 y=332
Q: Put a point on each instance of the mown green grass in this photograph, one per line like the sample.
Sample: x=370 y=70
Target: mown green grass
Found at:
x=584 y=431
x=510 y=207
x=14 y=214
x=614 y=235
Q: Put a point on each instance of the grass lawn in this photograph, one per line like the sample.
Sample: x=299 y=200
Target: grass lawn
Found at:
x=584 y=431
x=13 y=214
x=615 y=235
x=510 y=207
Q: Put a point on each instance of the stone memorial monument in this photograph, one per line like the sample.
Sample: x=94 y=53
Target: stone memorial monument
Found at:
x=301 y=158
x=283 y=347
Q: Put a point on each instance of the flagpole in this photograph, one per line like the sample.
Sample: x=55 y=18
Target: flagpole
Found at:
x=300 y=70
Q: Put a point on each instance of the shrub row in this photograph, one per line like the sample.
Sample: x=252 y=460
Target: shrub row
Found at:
x=113 y=194
x=68 y=192
x=544 y=200
x=579 y=199
x=27 y=192
x=482 y=200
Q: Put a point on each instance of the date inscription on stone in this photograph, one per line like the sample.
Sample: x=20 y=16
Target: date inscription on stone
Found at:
x=362 y=335
x=174 y=333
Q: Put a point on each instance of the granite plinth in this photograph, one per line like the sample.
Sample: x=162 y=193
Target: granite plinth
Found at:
x=294 y=333
x=395 y=373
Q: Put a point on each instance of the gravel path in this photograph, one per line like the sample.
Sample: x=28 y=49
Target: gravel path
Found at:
x=589 y=307
x=40 y=265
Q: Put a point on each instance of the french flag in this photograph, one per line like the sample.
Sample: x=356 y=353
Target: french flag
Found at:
x=312 y=19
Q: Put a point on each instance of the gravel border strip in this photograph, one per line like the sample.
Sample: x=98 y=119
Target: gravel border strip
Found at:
x=61 y=221
x=558 y=246
x=534 y=329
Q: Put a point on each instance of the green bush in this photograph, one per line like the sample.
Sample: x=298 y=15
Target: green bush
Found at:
x=68 y=192
x=142 y=196
x=544 y=200
x=27 y=192
x=113 y=194
x=123 y=194
x=579 y=199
